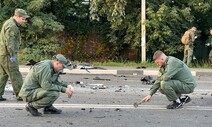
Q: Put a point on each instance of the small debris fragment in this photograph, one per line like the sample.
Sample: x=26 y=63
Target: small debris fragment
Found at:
x=98 y=78
x=204 y=94
x=18 y=109
x=119 y=90
x=78 y=82
x=84 y=66
x=91 y=109
x=64 y=101
x=148 y=80
x=70 y=123
x=206 y=116
x=83 y=109
x=94 y=87
x=117 y=109
x=100 y=117
x=97 y=86
x=103 y=87
x=148 y=121
x=122 y=76
x=141 y=67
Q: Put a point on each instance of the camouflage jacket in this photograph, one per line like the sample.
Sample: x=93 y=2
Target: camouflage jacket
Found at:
x=10 y=38
x=173 y=69
x=42 y=75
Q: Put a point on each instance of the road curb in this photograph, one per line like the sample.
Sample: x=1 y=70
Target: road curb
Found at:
x=152 y=72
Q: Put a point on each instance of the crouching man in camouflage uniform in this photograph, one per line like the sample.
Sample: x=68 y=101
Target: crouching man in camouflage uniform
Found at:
x=41 y=86
x=174 y=79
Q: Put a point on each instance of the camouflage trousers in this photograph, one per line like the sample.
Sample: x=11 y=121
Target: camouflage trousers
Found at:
x=10 y=70
x=188 y=54
x=40 y=98
x=174 y=88
x=210 y=56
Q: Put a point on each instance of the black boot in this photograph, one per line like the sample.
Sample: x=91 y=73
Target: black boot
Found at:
x=32 y=110
x=19 y=99
x=174 y=105
x=51 y=110
x=185 y=99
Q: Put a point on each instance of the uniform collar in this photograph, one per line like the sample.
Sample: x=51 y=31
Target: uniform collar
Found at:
x=15 y=21
x=165 y=62
x=51 y=64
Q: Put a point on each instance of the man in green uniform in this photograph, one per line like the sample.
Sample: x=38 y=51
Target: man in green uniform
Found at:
x=41 y=86
x=9 y=46
x=189 y=46
x=174 y=78
x=210 y=44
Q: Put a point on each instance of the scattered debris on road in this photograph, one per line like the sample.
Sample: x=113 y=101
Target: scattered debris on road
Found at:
x=148 y=80
x=138 y=103
x=83 y=109
x=117 y=109
x=143 y=67
x=98 y=78
x=97 y=86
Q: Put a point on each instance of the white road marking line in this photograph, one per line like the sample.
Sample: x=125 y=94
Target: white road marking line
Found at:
x=107 y=106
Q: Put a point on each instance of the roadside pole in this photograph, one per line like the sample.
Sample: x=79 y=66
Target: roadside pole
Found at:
x=143 y=30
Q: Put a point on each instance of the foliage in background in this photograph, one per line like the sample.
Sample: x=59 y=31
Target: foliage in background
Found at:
x=166 y=22
x=105 y=30
x=40 y=34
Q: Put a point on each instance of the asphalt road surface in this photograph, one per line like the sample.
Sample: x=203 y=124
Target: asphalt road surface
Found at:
x=107 y=101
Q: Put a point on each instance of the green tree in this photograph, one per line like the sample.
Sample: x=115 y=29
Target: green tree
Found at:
x=166 y=21
x=40 y=34
x=54 y=24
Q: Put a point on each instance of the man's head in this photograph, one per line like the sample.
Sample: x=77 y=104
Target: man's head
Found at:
x=159 y=57
x=194 y=29
x=60 y=62
x=20 y=16
x=211 y=31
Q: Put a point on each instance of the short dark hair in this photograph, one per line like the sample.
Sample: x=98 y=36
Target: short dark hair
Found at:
x=157 y=54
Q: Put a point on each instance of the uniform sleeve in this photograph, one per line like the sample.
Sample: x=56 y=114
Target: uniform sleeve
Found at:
x=10 y=40
x=173 y=66
x=192 y=36
x=156 y=85
x=211 y=41
x=44 y=78
x=60 y=82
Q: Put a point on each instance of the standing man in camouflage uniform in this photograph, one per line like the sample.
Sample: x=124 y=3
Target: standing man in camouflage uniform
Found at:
x=189 y=47
x=41 y=86
x=9 y=46
x=174 y=78
x=209 y=43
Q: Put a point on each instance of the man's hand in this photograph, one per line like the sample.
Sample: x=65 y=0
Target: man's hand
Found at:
x=69 y=90
x=207 y=44
x=71 y=87
x=13 y=59
x=147 y=98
